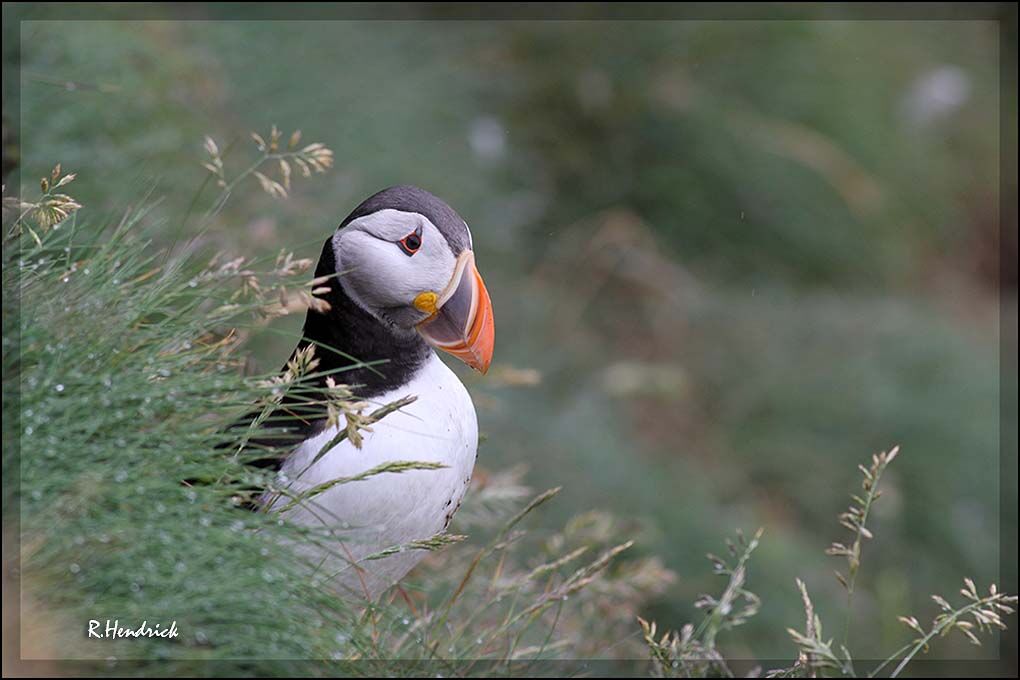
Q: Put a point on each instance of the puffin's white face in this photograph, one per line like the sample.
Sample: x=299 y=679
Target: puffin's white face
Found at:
x=387 y=259
x=400 y=268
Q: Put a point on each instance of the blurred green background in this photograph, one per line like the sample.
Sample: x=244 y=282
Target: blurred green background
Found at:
x=742 y=255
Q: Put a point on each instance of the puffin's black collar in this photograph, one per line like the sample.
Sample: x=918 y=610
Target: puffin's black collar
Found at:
x=344 y=337
x=347 y=335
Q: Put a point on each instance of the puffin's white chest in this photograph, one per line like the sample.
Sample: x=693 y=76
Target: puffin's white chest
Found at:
x=390 y=509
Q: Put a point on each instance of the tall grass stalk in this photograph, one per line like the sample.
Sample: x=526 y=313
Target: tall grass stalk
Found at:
x=855 y=519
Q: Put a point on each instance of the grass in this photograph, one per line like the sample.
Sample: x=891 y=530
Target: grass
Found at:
x=129 y=366
x=802 y=333
x=126 y=364
x=693 y=652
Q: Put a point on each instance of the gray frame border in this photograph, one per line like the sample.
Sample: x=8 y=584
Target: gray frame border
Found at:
x=1005 y=14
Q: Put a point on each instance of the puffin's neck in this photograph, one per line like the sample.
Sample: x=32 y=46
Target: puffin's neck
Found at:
x=347 y=334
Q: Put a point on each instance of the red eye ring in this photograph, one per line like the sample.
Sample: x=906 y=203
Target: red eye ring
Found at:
x=411 y=243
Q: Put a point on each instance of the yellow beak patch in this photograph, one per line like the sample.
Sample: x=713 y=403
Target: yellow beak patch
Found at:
x=426 y=302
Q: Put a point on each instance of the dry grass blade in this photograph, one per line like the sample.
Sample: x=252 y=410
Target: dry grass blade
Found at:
x=985 y=612
x=393 y=467
x=433 y=543
x=692 y=651
x=315 y=157
x=514 y=521
x=45 y=212
x=855 y=519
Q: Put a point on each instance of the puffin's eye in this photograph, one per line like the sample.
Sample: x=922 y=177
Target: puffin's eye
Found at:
x=411 y=243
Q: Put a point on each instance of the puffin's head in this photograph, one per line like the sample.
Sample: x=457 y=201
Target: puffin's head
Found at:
x=404 y=256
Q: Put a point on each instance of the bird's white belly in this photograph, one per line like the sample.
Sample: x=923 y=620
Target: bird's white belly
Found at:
x=389 y=509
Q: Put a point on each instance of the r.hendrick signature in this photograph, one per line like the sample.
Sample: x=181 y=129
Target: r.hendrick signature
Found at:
x=113 y=629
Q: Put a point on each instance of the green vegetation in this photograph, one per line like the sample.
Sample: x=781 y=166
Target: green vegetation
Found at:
x=728 y=259
x=132 y=510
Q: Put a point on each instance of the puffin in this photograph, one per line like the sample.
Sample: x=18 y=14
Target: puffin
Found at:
x=402 y=284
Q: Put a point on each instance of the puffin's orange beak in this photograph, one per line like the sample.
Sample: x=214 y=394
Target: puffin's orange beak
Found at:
x=462 y=323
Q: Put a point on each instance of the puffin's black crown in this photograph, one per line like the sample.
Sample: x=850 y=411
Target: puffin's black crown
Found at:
x=409 y=198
